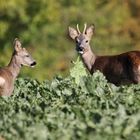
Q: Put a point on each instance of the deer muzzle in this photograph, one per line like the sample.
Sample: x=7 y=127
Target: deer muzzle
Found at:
x=80 y=49
x=33 y=64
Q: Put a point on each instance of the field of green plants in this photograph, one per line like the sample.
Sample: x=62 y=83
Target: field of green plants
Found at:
x=79 y=106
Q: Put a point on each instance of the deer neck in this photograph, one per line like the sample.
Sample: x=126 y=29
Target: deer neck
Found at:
x=88 y=58
x=14 y=66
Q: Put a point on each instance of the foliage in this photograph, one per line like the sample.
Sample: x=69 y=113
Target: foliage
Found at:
x=78 y=71
x=64 y=110
x=42 y=26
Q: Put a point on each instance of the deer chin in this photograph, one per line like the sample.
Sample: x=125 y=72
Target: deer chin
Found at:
x=80 y=52
x=32 y=66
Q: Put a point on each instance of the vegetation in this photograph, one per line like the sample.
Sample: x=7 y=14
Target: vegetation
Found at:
x=42 y=26
x=72 y=108
x=79 y=106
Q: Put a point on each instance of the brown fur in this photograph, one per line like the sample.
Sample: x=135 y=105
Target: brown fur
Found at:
x=119 y=69
x=8 y=87
x=1 y=138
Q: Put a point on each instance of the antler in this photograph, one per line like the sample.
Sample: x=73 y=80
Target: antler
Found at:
x=78 y=29
x=85 y=26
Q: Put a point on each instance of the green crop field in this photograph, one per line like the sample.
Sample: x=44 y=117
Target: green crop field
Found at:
x=78 y=107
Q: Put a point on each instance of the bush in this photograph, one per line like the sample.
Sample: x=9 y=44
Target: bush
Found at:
x=65 y=110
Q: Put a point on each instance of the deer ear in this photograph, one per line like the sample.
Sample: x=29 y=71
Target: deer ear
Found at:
x=90 y=30
x=73 y=33
x=17 y=45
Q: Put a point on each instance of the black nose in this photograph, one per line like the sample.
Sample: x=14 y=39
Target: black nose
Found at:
x=79 y=48
x=33 y=64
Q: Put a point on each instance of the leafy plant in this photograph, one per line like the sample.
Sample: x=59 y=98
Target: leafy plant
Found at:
x=78 y=71
x=67 y=109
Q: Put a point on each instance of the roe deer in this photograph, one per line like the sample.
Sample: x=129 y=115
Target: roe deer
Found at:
x=9 y=73
x=118 y=69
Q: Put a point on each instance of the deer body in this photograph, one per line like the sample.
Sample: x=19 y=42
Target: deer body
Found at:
x=6 y=82
x=9 y=73
x=118 y=69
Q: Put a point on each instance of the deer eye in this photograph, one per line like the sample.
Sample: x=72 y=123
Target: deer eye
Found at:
x=86 y=41
x=76 y=41
x=26 y=55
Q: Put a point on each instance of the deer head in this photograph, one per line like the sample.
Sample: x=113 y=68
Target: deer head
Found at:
x=22 y=56
x=82 y=39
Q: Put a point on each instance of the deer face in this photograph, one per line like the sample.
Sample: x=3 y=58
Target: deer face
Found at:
x=82 y=39
x=82 y=43
x=22 y=55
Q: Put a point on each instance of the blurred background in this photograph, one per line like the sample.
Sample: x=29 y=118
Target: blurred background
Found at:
x=42 y=26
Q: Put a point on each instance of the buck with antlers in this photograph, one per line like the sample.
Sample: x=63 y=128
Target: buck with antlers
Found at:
x=118 y=69
x=9 y=73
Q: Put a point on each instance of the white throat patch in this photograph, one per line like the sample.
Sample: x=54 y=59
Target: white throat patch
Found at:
x=81 y=52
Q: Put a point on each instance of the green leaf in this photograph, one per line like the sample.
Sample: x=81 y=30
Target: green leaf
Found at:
x=78 y=71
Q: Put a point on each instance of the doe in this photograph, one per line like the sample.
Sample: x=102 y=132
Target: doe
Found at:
x=9 y=73
x=118 y=69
